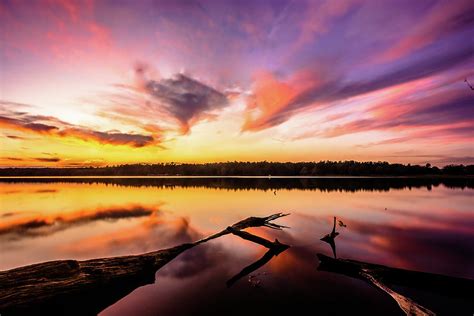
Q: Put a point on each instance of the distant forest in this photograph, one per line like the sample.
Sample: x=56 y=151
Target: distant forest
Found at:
x=263 y=168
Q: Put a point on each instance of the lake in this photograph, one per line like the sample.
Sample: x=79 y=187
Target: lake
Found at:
x=411 y=223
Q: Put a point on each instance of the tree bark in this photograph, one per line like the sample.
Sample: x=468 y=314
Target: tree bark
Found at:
x=87 y=287
x=385 y=278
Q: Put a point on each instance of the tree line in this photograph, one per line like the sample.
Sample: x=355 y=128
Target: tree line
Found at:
x=262 y=168
x=325 y=184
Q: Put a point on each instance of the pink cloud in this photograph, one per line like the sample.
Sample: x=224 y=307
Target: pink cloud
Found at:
x=64 y=29
x=417 y=117
x=271 y=98
x=441 y=20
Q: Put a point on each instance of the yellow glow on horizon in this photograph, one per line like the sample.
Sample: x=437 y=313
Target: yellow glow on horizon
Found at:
x=216 y=140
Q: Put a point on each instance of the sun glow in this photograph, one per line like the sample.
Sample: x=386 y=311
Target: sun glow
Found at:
x=77 y=88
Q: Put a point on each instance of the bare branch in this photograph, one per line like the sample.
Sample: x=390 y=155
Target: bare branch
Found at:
x=87 y=287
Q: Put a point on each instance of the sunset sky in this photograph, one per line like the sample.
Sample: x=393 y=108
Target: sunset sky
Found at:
x=92 y=82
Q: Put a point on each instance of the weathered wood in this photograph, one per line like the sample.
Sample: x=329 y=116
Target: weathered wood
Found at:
x=78 y=287
x=87 y=287
x=384 y=278
x=331 y=238
x=253 y=238
x=247 y=223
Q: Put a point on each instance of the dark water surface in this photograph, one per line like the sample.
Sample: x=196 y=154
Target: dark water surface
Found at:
x=417 y=224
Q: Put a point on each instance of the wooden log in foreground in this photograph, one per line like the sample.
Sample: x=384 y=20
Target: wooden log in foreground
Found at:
x=87 y=287
x=384 y=278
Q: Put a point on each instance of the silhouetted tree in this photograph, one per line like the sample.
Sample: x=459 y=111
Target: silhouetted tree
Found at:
x=262 y=168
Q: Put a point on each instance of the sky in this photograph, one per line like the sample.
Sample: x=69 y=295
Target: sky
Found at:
x=93 y=83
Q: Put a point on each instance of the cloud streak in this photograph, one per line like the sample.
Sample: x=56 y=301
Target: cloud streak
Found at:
x=297 y=69
x=335 y=89
x=426 y=117
x=41 y=159
x=51 y=126
x=443 y=19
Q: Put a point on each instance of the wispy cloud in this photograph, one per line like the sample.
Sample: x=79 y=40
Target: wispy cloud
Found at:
x=442 y=20
x=426 y=117
x=281 y=100
x=319 y=69
x=42 y=159
x=47 y=125
x=13 y=158
x=15 y=137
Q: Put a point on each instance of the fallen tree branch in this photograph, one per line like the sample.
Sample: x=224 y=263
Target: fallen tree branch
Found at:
x=248 y=223
x=87 y=287
x=384 y=278
x=407 y=305
x=274 y=250
x=253 y=238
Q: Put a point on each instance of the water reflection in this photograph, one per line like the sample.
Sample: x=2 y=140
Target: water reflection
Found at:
x=397 y=223
x=399 y=284
x=275 y=249
x=35 y=225
x=330 y=238
x=347 y=184
x=63 y=286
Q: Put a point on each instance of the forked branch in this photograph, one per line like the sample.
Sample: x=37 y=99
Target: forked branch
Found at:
x=87 y=287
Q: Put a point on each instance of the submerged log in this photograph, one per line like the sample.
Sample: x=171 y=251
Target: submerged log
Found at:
x=78 y=287
x=87 y=287
x=386 y=279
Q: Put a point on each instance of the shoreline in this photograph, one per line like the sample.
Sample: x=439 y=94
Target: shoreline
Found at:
x=244 y=177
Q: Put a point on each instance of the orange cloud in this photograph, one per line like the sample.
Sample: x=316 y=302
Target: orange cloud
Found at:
x=16 y=124
x=110 y=138
x=269 y=105
x=46 y=125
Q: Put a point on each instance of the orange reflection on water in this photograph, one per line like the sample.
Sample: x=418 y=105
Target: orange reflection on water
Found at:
x=53 y=220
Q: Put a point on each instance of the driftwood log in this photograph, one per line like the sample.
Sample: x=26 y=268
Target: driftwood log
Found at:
x=386 y=279
x=87 y=287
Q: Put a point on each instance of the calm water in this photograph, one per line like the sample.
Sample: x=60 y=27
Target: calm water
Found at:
x=415 y=224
